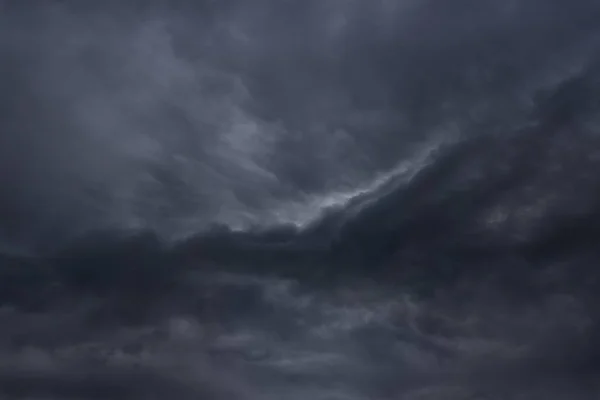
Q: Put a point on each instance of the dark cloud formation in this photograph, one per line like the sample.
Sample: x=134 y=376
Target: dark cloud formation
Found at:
x=299 y=199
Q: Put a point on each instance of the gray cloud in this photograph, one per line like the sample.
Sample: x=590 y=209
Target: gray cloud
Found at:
x=381 y=199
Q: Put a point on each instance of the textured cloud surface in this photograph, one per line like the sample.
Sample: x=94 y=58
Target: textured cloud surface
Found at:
x=299 y=199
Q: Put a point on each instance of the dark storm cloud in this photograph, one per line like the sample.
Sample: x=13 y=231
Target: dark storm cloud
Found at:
x=467 y=271
x=89 y=99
